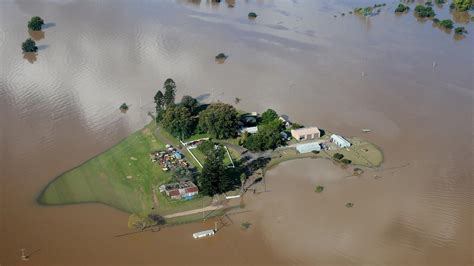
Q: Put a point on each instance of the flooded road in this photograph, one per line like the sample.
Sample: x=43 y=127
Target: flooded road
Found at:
x=408 y=81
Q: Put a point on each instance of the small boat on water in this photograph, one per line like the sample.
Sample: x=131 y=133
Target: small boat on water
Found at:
x=204 y=233
x=366 y=130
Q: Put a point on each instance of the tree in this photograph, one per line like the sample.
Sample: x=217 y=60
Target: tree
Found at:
x=35 y=23
x=177 y=120
x=29 y=46
x=159 y=101
x=190 y=103
x=268 y=137
x=206 y=147
x=338 y=156
x=462 y=5
x=252 y=15
x=213 y=179
x=170 y=92
x=268 y=116
x=220 y=120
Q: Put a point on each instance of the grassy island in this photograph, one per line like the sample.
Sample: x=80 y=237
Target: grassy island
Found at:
x=216 y=147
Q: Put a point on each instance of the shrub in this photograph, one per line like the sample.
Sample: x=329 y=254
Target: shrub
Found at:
x=435 y=20
x=252 y=15
x=401 y=8
x=338 y=156
x=29 y=46
x=439 y=2
x=349 y=205
x=446 y=23
x=319 y=189
x=35 y=23
x=142 y=221
x=429 y=3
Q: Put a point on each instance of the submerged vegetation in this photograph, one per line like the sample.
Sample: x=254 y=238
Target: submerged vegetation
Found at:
x=123 y=107
x=446 y=23
x=252 y=15
x=319 y=189
x=221 y=56
x=29 y=46
x=402 y=8
x=424 y=11
x=462 y=5
x=460 y=30
x=349 y=205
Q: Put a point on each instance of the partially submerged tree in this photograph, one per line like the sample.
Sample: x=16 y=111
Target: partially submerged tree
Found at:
x=446 y=23
x=424 y=11
x=460 y=30
x=29 y=46
x=338 y=156
x=170 y=92
x=401 y=8
x=319 y=189
x=143 y=221
x=35 y=23
x=252 y=15
x=190 y=103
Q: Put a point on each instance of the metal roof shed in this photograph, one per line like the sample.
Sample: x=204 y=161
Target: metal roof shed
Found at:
x=308 y=147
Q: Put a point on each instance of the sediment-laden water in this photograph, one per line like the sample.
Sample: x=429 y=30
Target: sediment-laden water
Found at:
x=408 y=81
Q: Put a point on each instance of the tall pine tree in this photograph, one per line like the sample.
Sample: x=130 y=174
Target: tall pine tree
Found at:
x=170 y=92
x=213 y=179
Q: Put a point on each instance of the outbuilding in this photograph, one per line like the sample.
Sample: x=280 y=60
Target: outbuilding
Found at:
x=308 y=147
x=250 y=130
x=307 y=133
x=340 y=141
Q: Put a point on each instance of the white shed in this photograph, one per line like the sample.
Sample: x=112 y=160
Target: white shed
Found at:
x=340 y=141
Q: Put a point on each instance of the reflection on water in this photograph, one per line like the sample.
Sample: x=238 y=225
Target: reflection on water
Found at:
x=295 y=58
x=30 y=57
x=36 y=35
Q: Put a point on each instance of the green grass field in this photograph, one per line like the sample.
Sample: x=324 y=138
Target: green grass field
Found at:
x=104 y=179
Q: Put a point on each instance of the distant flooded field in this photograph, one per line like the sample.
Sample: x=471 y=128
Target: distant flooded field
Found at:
x=404 y=78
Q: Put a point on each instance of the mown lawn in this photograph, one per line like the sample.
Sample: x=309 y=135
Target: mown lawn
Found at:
x=104 y=179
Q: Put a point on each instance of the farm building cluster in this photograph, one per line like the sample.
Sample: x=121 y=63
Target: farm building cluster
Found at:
x=169 y=159
x=182 y=190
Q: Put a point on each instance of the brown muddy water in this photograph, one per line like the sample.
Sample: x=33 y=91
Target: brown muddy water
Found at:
x=408 y=81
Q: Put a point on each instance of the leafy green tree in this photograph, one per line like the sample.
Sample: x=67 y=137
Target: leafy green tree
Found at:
x=213 y=179
x=29 y=46
x=268 y=137
x=170 y=92
x=268 y=116
x=462 y=5
x=207 y=147
x=159 y=107
x=177 y=120
x=35 y=23
x=190 y=103
x=220 y=120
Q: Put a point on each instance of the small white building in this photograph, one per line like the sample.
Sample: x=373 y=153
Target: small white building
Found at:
x=250 y=130
x=340 y=141
x=308 y=147
x=306 y=133
x=203 y=234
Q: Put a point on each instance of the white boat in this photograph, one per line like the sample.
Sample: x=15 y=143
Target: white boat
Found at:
x=203 y=234
x=365 y=130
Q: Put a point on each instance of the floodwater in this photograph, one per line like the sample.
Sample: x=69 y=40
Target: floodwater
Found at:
x=408 y=81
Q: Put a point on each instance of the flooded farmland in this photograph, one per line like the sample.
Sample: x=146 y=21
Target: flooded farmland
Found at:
x=408 y=81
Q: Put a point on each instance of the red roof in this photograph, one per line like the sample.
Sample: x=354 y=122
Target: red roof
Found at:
x=173 y=192
x=192 y=189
